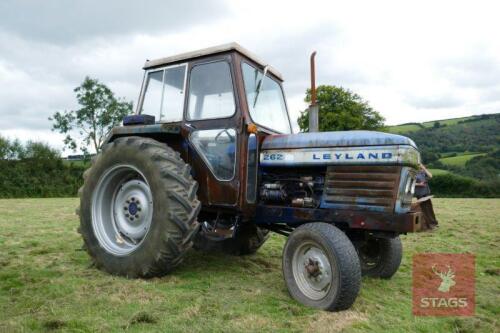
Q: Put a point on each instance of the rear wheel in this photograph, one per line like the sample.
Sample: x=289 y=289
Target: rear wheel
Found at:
x=321 y=268
x=138 y=208
x=380 y=257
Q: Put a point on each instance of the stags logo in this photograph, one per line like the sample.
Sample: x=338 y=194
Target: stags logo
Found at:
x=443 y=284
x=447 y=279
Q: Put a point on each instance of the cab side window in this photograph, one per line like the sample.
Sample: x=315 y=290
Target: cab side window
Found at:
x=173 y=94
x=152 y=96
x=164 y=94
x=211 y=91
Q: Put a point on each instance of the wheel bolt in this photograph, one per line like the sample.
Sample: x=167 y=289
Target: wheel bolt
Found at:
x=136 y=216
x=137 y=202
x=127 y=215
x=133 y=199
x=125 y=208
x=139 y=209
x=131 y=218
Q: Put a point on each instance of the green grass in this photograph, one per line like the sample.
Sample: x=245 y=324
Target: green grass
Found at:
x=438 y=172
x=447 y=122
x=48 y=284
x=405 y=128
x=459 y=160
x=399 y=129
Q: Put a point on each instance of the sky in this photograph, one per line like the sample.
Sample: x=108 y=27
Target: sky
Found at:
x=412 y=61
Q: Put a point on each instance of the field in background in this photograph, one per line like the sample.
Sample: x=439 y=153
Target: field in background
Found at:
x=459 y=160
x=48 y=284
x=411 y=127
x=401 y=129
x=438 y=172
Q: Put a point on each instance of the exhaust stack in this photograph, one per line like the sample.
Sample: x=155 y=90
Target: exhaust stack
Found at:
x=313 y=108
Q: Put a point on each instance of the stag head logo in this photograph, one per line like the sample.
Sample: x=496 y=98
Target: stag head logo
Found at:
x=447 y=279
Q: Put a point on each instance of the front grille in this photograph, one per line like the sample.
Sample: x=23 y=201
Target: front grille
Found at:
x=361 y=187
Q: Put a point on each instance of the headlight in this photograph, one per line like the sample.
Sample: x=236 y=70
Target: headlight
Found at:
x=410 y=185
x=406 y=190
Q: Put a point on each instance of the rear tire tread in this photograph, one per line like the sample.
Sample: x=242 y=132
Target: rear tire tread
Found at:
x=391 y=257
x=184 y=207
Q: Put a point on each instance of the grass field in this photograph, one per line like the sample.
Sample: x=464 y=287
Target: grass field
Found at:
x=399 y=129
x=447 y=122
x=404 y=128
x=459 y=160
x=438 y=172
x=48 y=284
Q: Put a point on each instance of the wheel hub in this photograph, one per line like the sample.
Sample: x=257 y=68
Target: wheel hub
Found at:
x=312 y=268
x=312 y=271
x=122 y=209
x=132 y=208
x=132 y=220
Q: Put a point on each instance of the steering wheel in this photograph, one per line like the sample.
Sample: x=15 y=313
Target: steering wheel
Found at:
x=217 y=137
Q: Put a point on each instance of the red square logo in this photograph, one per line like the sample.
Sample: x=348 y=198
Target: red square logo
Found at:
x=443 y=284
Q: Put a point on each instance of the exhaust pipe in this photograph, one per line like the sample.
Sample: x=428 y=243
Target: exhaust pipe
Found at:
x=313 y=108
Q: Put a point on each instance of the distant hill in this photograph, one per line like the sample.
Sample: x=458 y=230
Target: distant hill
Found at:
x=476 y=134
x=460 y=145
x=412 y=127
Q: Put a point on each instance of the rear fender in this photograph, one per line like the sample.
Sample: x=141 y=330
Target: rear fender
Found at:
x=152 y=131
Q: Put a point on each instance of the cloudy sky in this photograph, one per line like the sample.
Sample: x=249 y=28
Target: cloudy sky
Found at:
x=412 y=61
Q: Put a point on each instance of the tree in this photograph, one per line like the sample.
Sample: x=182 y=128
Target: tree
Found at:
x=38 y=151
x=341 y=110
x=10 y=150
x=4 y=148
x=100 y=111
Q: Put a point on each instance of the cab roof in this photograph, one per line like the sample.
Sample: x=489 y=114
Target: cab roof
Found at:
x=210 y=51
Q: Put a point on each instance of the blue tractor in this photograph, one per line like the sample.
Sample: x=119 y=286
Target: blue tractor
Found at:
x=209 y=160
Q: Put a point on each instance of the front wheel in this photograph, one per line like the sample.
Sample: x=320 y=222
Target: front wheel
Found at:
x=380 y=257
x=321 y=267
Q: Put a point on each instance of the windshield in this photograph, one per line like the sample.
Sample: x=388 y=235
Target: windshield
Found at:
x=268 y=108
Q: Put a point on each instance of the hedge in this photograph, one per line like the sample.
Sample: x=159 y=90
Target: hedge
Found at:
x=455 y=186
x=39 y=178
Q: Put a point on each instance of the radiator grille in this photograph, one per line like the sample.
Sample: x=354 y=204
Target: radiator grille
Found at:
x=362 y=187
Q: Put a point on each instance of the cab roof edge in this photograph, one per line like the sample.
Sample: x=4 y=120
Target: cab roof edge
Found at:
x=209 y=51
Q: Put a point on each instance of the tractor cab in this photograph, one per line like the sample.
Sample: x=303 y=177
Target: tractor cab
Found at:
x=213 y=106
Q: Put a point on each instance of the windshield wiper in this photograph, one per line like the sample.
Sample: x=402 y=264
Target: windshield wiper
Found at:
x=259 y=86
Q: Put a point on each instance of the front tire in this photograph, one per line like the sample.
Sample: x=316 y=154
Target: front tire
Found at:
x=138 y=208
x=321 y=268
x=380 y=257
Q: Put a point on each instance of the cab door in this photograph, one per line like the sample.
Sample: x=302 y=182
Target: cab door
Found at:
x=211 y=119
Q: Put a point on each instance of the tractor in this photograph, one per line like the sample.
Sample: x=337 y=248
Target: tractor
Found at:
x=209 y=160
